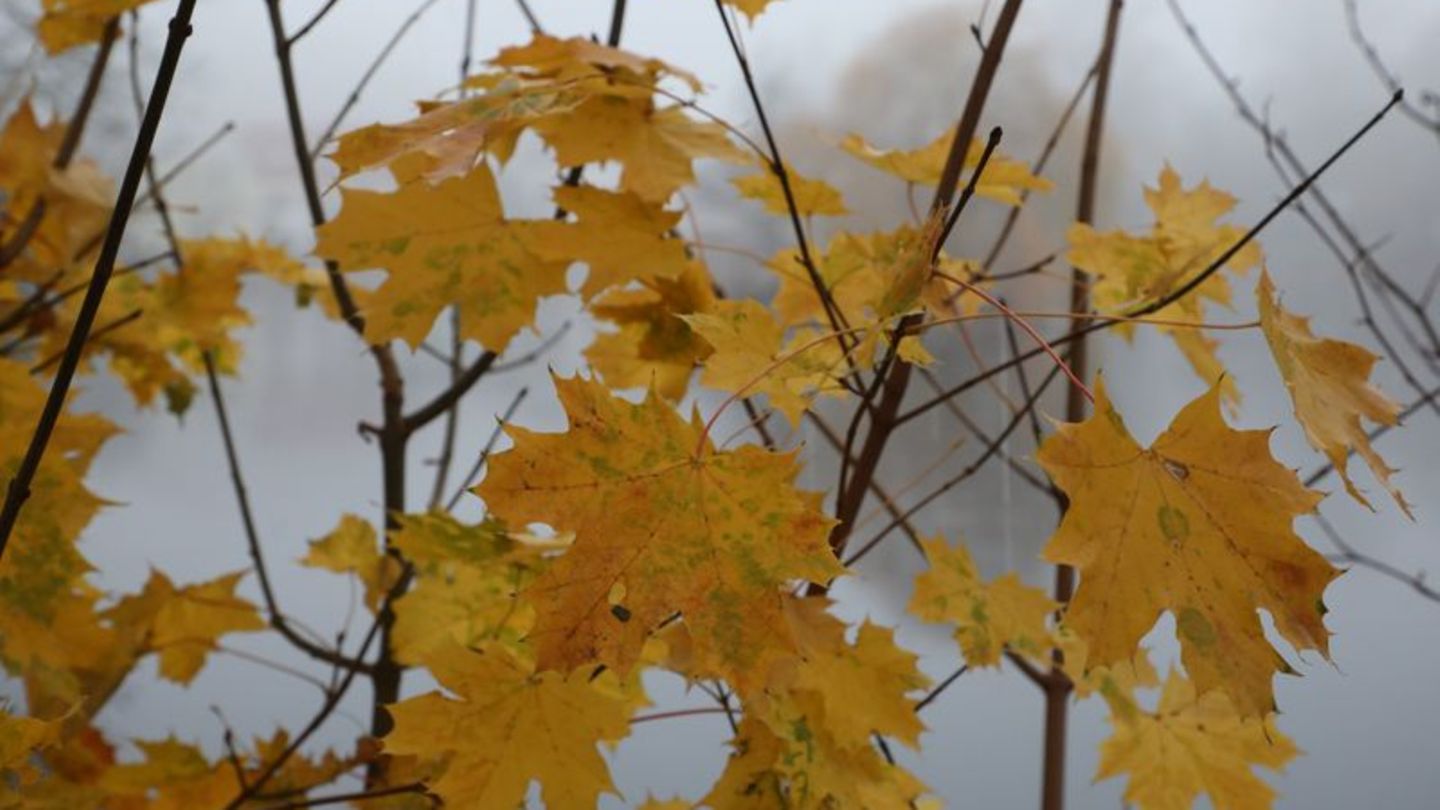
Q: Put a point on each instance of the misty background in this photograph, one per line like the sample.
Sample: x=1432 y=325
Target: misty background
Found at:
x=896 y=72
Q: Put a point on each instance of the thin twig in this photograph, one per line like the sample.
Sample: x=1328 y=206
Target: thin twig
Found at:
x=487 y=449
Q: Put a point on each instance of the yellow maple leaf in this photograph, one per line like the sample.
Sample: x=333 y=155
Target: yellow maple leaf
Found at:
x=656 y=146
x=799 y=767
x=185 y=624
x=352 y=548
x=1199 y=524
x=68 y=23
x=466 y=586
x=509 y=725
x=1184 y=239
x=851 y=691
x=654 y=346
x=1329 y=384
x=1003 y=180
x=20 y=738
x=620 y=236
x=1192 y=745
x=590 y=103
x=812 y=197
x=664 y=524
x=751 y=356
x=750 y=8
x=440 y=245
x=989 y=618
x=42 y=566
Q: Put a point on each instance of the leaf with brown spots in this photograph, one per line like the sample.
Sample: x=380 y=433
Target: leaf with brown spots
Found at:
x=1199 y=524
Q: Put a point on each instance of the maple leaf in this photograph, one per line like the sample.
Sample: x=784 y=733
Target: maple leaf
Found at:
x=664 y=523
x=1329 y=385
x=441 y=245
x=42 y=565
x=1184 y=239
x=76 y=201
x=989 y=618
x=510 y=725
x=812 y=197
x=1198 y=524
x=467 y=578
x=798 y=767
x=352 y=548
x=750 y=8
x=1003 y=180
x=750 y=356
x=69 y=23
x=654 y=346
x=20 y=738
x=620 y=236
x=590 y=103
x=870 y=277
x=184 y=624
x=1192 y=745
x=851 y=691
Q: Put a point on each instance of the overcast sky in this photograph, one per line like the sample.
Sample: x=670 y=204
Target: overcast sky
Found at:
x=897 y=72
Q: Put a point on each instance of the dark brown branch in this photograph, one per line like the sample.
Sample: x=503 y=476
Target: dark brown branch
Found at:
x=941 y=687
x=436 y=407
x=19 y=489
x=974 y=104
x=252 y=537
x=386 y=673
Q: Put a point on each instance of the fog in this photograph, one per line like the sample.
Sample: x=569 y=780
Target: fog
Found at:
x=897 y=72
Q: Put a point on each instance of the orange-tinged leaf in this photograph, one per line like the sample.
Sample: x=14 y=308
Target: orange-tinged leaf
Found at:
x=1191 y=746
x=1199 y=524
x=812 y=197
x=508 y=726
x=989 y=618
x=440 y=245
x=1003 y=180
x=663 y=521
x=1329 y=384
